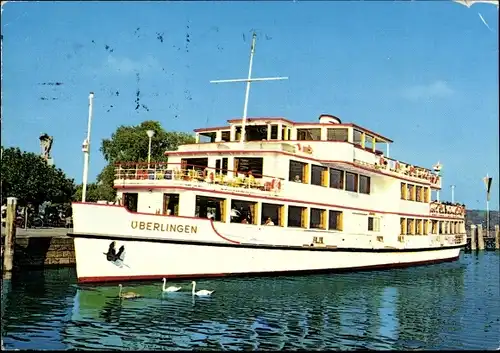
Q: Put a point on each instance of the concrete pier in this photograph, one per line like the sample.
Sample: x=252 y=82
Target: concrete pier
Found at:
x=473 y=237
x=480 y=237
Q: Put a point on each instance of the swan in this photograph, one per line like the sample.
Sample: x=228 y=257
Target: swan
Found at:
x=127 y=295
x=169 y=289
x=201 y=293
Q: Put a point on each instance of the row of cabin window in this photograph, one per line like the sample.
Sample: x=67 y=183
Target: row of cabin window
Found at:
x=258 y=133
x=412 y=226
x=215 y=208
x=328 y=177
x=417 y=193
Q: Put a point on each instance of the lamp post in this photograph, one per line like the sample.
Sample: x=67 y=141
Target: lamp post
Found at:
x=86 y=150
x=150 y=133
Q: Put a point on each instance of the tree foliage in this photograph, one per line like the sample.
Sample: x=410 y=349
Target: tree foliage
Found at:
x=28 y=177
x=131 y=144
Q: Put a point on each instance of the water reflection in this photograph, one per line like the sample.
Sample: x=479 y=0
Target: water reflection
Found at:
x=426 y=307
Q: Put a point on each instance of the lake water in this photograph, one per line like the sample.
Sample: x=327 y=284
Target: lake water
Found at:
x=449 y=306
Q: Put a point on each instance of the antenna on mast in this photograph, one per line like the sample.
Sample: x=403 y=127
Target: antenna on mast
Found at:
x=248 y=80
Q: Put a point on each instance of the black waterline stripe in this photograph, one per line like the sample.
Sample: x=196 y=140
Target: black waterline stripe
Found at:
x=255 y=246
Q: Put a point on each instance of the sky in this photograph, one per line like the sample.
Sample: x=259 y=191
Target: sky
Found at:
x=423 y=73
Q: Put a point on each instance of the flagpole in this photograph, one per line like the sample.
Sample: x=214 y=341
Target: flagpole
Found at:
x=487 y=208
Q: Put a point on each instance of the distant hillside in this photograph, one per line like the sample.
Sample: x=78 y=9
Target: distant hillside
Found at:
x=479 y=217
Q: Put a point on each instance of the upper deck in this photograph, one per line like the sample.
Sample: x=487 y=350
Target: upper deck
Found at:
x=328 y=142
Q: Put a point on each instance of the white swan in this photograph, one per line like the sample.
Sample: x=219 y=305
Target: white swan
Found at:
x=127 y=295
x=169 y=289
x=201 y=293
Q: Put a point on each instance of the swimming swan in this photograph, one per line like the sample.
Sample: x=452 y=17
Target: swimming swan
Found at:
x=201 y=293
x=127 y=295
x=169 y=289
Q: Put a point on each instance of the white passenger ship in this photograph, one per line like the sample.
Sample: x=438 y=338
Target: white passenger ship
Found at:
x=268 y=196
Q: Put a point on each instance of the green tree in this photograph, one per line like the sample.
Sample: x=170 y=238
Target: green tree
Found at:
x=131 y=144
x=28 y=177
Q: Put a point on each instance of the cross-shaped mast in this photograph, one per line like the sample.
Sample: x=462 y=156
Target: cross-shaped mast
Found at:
x=248 y=80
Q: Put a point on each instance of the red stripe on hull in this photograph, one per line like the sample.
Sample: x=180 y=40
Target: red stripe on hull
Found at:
x=257 y=274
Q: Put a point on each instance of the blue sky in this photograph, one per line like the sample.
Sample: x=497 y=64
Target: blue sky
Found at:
x=424 y=73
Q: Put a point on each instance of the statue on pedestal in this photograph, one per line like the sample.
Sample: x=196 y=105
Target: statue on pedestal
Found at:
x=46 y=145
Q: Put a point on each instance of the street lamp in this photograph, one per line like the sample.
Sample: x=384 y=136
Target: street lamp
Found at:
x=150 y=133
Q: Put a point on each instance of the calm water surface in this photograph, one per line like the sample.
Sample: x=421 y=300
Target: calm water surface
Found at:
x=448 y=306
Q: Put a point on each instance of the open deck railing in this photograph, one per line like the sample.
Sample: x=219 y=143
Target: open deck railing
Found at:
x=196 y=173
x=447 y=208
x=395 y=167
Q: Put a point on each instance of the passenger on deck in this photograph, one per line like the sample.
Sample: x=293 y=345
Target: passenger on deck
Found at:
x=297 y=179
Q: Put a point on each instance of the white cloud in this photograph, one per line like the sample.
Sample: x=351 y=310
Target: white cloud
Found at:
x=127 y=66
x=437 y=89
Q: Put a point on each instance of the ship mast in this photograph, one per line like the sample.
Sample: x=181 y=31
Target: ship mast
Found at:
x=248 y=80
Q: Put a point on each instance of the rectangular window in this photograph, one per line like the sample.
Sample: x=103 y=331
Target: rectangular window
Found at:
x=403 y=191
x=374 y=224
x=420 y=196
x=298 y=172
x=351 y=182
x=318 y=219
x=130 y=201
x=364 y=184
x=404 y=229
x=426 y=227
x=335 y=220
x=243 y=212
x=224 y=166
x=226 y=136
x=339 y=134
x=210 y=207
x=309 y=134
x=247 y=165
x=171 y=204
x=272 y=214
x=198 y=164
x=434 y=227
x=357 y=136
x=296 y=216
x=411 y=226
x=426 y=194
x=411 y=192
x=318 y=176
x=420 y=228
x=274 y=132
x=336 y=178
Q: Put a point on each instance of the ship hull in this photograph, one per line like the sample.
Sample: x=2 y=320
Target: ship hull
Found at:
x=150 y=260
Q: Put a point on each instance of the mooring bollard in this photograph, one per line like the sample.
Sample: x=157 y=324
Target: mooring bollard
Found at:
x=10 y=237
x=480 y=237
x=473 y=230
x=497 y=237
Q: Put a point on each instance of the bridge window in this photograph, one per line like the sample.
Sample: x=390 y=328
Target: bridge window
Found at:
x=426 y=227
x=273 y=212
x=318 y=175
x=246 y=165
x=434 y=227
x=335 y=220
x=318 y=219
x=297 y=216
x=357 y=135
x=336 y=178
x=243 y=212
x=207 y=137
x=411 y=226
x=210 y=207
x=337 y=135
x=309 y=134
x=226 y=136
x=364 y=184
x=420 y=229
x=297 y=172
x=351 y=182
x=274 y=132
x=419 y=195
x=256 y=133
x=171 y=204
